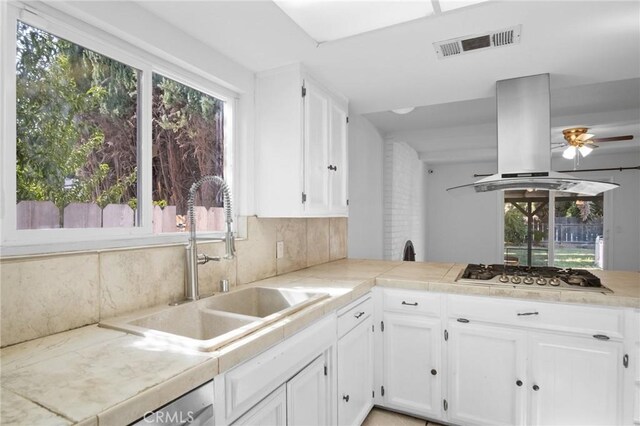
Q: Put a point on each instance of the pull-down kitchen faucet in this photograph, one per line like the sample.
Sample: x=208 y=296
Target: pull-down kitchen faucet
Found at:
x=193 y=258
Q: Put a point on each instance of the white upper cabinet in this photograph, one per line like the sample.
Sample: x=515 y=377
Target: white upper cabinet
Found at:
x=301 y=146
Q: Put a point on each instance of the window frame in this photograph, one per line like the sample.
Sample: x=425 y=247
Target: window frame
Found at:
x=23 y=242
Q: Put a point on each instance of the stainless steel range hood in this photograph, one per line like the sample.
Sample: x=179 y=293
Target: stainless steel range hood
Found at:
x=524 y=143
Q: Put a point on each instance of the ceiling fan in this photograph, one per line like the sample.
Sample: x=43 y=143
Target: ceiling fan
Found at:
x=578 y=140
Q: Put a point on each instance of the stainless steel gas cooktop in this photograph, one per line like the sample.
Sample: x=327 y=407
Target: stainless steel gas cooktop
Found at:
x=540 y=277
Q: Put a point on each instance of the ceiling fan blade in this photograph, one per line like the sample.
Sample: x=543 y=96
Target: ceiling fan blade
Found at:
x=613 y=139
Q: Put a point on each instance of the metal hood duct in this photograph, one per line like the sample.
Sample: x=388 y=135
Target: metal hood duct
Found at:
x=524 y=143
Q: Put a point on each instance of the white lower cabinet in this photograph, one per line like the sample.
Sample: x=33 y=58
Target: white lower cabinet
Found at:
x=271 y=411
x=472 y=360
x=289 y=384
x=575 y=380
x=463 y=360
x=308 y=395
x=412 y=369
x=411 y=334
x=355 y=375
x=355 y=363
x=512 y=372
x=486 y=374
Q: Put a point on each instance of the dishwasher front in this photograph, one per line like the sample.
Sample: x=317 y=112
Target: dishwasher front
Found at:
x=194 y=408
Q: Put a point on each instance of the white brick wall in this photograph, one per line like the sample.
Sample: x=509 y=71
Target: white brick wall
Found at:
x=403 y=200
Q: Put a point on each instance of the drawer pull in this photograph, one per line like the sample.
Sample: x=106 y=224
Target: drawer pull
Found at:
x=536 y=388
x=524 y=314
x=359 y=314
x=625 y=360
x=600 y=337
x=410 y=304
x=518 y=382
x=434 y=372
x=463 y=320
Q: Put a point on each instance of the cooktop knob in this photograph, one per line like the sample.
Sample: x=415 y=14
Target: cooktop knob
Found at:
x=554 y=281
x=528 y=280
x=516 y=279
x=503 y=278
x=541 y=281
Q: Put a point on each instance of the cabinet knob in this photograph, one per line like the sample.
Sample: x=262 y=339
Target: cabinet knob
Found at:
x=332 y=167
x=345 y=397
x=519 y=382
x=358 y=315
x=536 y=388
x=434 y=372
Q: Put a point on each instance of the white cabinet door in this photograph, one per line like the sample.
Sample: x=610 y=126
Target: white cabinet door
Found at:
x=577 y=381
x=307 y=396
x=270 y=411
x=316 y=149
x=338 y=182
x=486 y=374
x=355 y=374
x=412 y=368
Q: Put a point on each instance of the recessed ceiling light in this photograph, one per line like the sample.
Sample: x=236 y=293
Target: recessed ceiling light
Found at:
x=403 y=111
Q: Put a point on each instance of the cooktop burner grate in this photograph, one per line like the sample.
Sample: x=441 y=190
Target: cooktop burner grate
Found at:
x=535 y=276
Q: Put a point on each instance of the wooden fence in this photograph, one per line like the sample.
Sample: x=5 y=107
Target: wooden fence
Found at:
x=45 y=215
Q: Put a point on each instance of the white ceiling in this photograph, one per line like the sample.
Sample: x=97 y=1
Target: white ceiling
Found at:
x=590 y=48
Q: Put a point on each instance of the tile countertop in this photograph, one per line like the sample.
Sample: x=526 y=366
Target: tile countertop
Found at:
x=95 y=375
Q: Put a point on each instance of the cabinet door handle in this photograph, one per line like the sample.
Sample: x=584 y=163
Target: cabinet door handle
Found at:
x=600 y=337
x=434 y=372
x=410 y=304
x=332 y=167
x=527 y=313
x=359 y=314
x=536 y=388
x=345 y=397
x=519 y=382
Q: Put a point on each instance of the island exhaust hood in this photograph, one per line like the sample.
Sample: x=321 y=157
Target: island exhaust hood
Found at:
x=524 y=143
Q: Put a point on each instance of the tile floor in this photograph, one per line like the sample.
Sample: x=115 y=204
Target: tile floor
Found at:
x=380 y=417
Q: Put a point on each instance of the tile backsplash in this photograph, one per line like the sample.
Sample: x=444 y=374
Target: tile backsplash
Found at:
x=43 y=295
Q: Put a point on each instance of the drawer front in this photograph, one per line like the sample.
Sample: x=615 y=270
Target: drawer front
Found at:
x=354 y=315
x=411 y=302
x=580 y=319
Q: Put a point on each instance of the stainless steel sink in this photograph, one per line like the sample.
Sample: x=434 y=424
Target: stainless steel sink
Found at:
x=213 y=322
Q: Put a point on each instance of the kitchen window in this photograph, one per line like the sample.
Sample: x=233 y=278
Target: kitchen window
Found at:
x=107 y=140
x=76 y=135
x=577 y=224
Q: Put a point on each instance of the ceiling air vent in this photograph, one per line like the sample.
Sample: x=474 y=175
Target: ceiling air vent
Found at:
x=461 y=45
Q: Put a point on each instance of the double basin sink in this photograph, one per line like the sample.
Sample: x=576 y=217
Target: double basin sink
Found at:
x=216 y=321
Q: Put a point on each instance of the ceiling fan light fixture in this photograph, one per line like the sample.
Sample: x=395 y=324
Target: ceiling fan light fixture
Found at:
x=585 y=150
x=569 y=153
